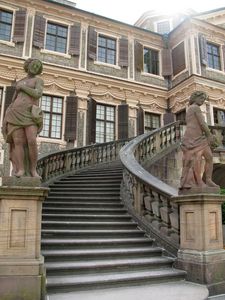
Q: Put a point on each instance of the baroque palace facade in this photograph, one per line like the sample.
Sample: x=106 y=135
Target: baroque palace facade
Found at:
x=106 y=80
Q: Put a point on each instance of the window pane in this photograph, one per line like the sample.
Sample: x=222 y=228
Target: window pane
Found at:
x=99 y=132
x=105 y=123
x=5 y=25
x=213 y=56
x=107 y=50
x=46 y=123
x=52 y=108
x=57 y=105
x=110 y=113
x=56 y=38
x=151 y=61
x=100 y=112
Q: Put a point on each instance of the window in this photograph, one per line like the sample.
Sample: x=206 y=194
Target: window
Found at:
x=56 y=38
x=163 y=27
x=106 y=50
x=151 y=61
x=52 y=108
x=213 y=55
x=152 y=121
x=219 y=116
x=105 y=123
x=6 y=18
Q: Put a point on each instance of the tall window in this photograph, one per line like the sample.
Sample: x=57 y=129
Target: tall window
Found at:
x=105 y=123
x=53 y=109
x=152 y=121
x=56 y=38
x=213 y=53
x=151 y=61
x=106 y=50
x=6 y=18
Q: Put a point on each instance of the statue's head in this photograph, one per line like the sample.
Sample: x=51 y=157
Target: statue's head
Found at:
x=198 y=97
x=33 y=66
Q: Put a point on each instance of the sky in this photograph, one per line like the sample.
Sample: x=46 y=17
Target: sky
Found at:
x=130 y=11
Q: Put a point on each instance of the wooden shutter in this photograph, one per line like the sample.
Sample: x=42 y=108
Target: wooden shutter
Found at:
x=139 y=59
x=19 y=27
x=223 y=49
x=91 y=121
x=9 y=92
x=203 y=49
x=39 y=31
x=123 y=52
x=167 y=68
x=123 y=121
x=178 y=58
x=140 y=121
x=92 y=43
x=168 y=118
x=74 y=47
x=71 y=118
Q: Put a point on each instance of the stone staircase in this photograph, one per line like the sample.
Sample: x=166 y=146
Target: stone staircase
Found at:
x=90 y=241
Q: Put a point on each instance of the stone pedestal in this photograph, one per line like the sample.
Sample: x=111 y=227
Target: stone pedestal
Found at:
x=201 y=251
x=21 y=263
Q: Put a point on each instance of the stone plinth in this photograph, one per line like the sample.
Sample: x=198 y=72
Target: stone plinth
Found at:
x=201 y=251
x=21 y=263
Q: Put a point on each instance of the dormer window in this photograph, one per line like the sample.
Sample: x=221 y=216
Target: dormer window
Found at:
x=163 y=27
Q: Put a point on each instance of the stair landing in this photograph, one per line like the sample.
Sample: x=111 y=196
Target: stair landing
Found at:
x=167 y=291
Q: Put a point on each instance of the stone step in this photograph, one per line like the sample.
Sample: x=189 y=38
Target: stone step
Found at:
x=83 y=197
x=78 y=282
x=88 y=225
x=85 y=217
x=81 y=204
x=77 y=243
x=85 y=184
x=88 y=211
x=109 y=265
x=86 y=193
x=103 y=177
x=77 y=188
x=84 y=254
x=85 y=233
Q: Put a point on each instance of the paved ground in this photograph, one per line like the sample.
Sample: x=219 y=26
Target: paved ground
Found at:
x=170 y=291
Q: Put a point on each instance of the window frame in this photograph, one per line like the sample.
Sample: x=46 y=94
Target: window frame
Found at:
x=112 y=37
x=51 y=113
x=57 y=24
x=158 y=61
x=208 y=43
x=215 y=116
x=105 y=122
x=151 y=114
x=12 y=11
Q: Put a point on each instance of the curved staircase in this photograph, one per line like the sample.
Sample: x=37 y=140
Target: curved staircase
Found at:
x=90 y=241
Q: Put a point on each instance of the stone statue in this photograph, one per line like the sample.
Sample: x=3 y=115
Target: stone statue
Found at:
x=24 y=120
x=196 y=144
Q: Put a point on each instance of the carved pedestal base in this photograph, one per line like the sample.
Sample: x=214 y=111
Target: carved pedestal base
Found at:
x=201 y=251
x=21 y=264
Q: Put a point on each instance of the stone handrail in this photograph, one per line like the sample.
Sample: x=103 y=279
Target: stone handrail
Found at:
x=68 y=161
x=147 y=197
